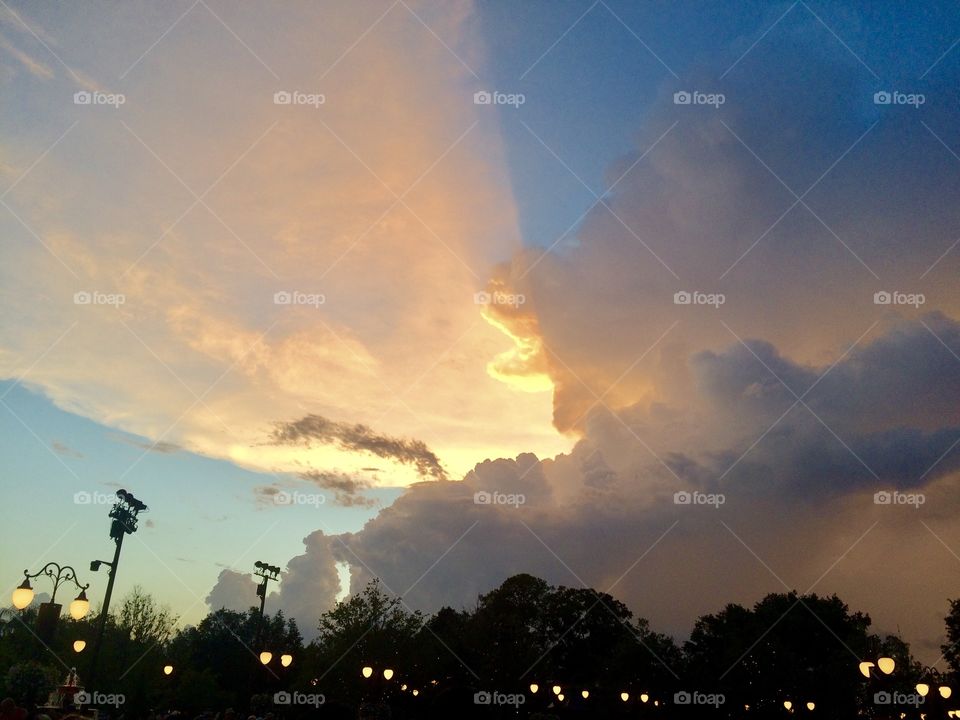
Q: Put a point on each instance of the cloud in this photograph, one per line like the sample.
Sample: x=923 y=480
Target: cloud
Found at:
x=360 y=439
x=233 y=591
x=162 y=447
x=65 y=450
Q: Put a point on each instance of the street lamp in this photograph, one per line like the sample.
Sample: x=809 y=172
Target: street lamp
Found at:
x=286 y=659
x=367 y=671
x=534 y=687
x=387 y=674
x=265 y=657
x=124 y=515
x=167 y=669
x=79 y=645
x=49 y=612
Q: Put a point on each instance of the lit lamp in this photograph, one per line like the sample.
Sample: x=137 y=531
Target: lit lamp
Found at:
x=167 y=669
x=788 y=705
x=266 y=656
x=556 y=689
x=560 y=697
x=79 y=645
x=23 y=595
x=624 y=696
x=886 y=665
x=644 y=697
x=387 y=674
x=80 y=607
x=945 y=691
x=585 y=694
x=367 y=671
x=415 y=692
x=534 y=687
x=286 y=659
x=810 y=706
x=922 y=689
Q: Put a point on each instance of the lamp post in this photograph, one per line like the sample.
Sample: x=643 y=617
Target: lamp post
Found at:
x=267 y=573
x=49 y=612
x=124 y=514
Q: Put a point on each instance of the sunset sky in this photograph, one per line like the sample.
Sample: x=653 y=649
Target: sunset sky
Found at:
x=307 y=280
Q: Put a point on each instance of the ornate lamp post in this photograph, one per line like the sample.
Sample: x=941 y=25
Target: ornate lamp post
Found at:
x=49 y=612
x=266 y=573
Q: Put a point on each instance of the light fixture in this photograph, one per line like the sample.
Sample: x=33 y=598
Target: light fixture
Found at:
x=788 y=705
x=886 y=665
x=922 y=689
x=945 y=691
x=80 y=606
x=624 y=696
x=367 y=671
x=23 y=595
x=286 y=659
x=810 y=706
x=644 y=697
x=404 y=687
x=415 y=692
x=585 y=694
x=534 y=687
x=79 y=645
x=387 y=674
x=560 y=697
x=865 y=668
x=167 y=669
x=556 y=689
x=266 y=656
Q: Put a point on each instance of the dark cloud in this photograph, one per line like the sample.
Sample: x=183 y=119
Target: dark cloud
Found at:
x=359 y=438
x=347 y=489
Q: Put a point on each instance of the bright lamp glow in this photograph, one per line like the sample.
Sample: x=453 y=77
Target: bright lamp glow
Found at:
x=23 y=595
x=865 y=668
x=886 y=665
x=167 y=669
x=416 y=692
x=534 y=687
x=810 y=706
x=367 y=671
x=79 y=645
x=556 y=689
x=922 y=689
x=945 y=691
x=788 y=705
x=80 y=606
x=266 y=656
x=387 y=674
x=560 y=697
x=644 y=697
x=624 y=696
x=286 y=659
x=585 y=694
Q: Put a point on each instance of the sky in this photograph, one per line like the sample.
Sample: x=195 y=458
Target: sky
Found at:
x=654 y=298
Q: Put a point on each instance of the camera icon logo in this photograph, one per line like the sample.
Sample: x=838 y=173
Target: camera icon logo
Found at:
x=682 y=98
x=81 y=698
x=281 y=698
x=482 y=498
x=282 y=298
x=883 y=497
x=881 y=698
x=682 y=297
x=282 y=97
x=82 y=97
x=482 y=97
x=682 y=497
x=882 y=297
x=82 y=298
x=882 y=98
x=283 y=498
x=482 y=298
x=482 y=698
x=82 y=498
x=681 y=698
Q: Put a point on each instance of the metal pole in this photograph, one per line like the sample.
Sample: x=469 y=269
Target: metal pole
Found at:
x=102 y=621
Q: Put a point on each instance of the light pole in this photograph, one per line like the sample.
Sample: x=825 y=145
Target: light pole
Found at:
x=267 y=573
x=49 y=612
x=124 y=514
